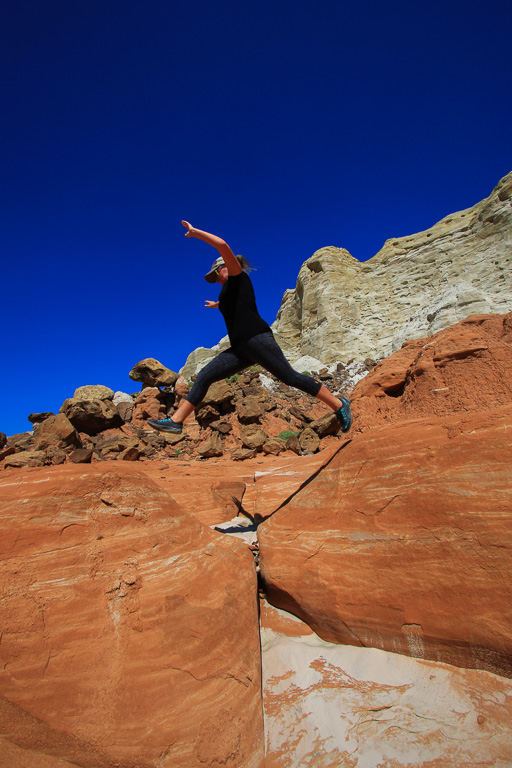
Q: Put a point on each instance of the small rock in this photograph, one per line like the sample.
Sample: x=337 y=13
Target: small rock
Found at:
x=125 y=410
x=292 y=444
x=206 y=414
x=327 y=425
x=55 y=456
x=212 y=447
x=122 y=397
x=243 y=453
x=309 y=441
x=181 y=388
x=221 y=426
x=274 y=446
x=253 y=437
x=81 y=456
x=219 y=393
x=249 y=410
x=130 y=454
x=37 y=418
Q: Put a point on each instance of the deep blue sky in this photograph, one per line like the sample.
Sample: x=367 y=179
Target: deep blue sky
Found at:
x=281 y=126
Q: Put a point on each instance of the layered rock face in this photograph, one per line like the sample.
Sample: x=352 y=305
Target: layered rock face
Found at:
x=415 y=286
x=402 y=542
x=125 y=639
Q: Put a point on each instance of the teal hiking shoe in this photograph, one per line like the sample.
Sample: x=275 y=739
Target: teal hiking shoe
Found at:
x=165 y=425
x=344 y=415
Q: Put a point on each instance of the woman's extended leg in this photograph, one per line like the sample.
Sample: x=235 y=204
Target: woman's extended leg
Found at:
x=265 y=350
x=226 y=364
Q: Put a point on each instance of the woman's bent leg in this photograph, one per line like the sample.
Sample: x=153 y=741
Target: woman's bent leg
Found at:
x=226 y=364
x=264 y=350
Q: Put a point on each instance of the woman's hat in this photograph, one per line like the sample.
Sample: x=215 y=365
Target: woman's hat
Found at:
x=211 y=276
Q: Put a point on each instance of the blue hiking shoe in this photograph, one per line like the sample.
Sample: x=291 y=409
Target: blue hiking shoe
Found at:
x=344 y=415
x=165 y=425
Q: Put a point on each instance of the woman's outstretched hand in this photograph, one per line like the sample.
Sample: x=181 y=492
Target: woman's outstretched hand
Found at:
x=211 y=304
x=188 y=226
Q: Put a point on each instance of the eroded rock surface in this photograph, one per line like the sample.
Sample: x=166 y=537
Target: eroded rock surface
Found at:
x=336 y=705
x=403 y=542
x=125 y=640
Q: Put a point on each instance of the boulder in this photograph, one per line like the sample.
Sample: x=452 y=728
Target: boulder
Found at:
x=274 y=445
x=3 y=440
x=26 y=459
x=81 y=456
x=402 y=542
x=56 y=432
x=309 y=441
x=122 y=397
x=129 y=630
x=91 y=416
x=37 y=418
x=253 y=437
x=241 y=454
x=153 y=374
x=93 y=392
x=211 y=447
x=219 y=393
x=249 y=409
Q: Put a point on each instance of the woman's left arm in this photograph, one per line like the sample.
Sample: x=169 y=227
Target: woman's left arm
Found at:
x=223 y=248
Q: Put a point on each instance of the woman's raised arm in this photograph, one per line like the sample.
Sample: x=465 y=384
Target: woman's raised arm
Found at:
x=223 y=248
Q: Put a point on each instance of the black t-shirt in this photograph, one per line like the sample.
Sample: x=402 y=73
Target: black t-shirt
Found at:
x=238 y=306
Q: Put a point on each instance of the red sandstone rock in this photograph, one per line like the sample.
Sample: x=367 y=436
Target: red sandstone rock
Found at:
x=461 y=369
x=126 y=638
x=403 y=542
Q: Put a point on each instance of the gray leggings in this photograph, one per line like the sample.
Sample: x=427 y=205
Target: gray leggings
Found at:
x=263 y=350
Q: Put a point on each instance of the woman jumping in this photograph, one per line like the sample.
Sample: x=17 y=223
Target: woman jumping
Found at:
x=252 y=340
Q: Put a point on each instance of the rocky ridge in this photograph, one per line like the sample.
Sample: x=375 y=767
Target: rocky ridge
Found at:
x=240 y=417
x=344 y=310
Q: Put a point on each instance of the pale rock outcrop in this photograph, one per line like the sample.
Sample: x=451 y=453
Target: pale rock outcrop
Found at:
x=343 y=310
x=126 y=640
x=416 y=285
x=201 y=357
